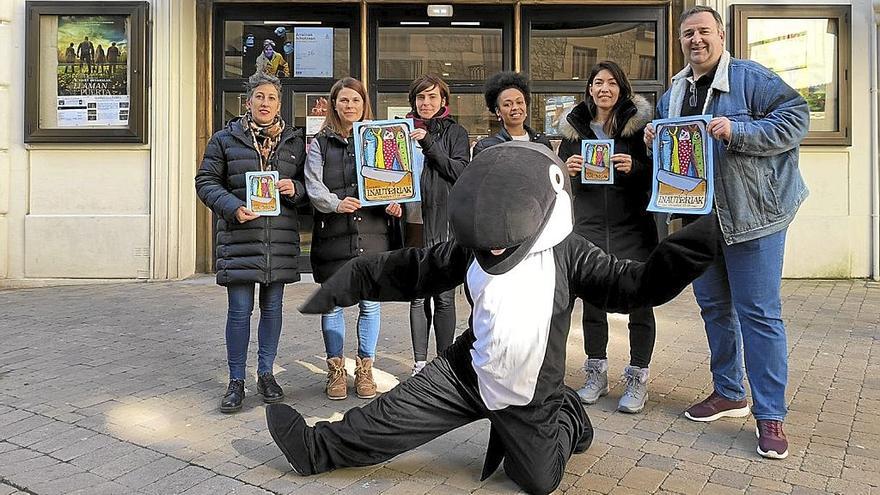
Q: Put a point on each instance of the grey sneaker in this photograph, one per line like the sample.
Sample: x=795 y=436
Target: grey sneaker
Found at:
x=636 y=392
x=417 y=367
x=596 y=384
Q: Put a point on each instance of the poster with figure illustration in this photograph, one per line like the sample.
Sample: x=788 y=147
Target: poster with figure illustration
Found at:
x=597 y=167
x=262 y=193
x=388 y=162
x=683 y=177
x=92 y=73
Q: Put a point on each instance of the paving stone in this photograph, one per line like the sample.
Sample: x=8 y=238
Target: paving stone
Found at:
x=150 y=473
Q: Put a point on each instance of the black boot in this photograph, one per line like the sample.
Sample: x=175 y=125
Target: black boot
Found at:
x=288 y=429
x=269 y=388
x=234 y=395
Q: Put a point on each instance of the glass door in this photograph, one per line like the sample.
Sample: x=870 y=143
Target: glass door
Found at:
x=311 y=46
x=464 y=49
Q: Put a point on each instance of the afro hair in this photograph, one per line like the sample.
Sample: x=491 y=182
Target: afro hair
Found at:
x=501 y=81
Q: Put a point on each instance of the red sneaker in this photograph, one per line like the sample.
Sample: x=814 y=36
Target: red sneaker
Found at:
x=715 y=407
x=772 y=443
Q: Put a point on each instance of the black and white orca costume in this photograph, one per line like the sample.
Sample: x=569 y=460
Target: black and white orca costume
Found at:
x=509 y=365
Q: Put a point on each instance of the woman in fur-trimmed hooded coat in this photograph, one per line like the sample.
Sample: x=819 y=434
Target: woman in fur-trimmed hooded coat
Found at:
x=614 y=217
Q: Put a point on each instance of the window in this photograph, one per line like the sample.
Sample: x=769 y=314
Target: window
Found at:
x=809 y=48
x=464 y=50
x=563 y=44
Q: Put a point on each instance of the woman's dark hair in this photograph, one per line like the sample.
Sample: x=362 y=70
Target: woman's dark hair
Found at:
x=611 y=125
x=332 y=119
x=427 y=81
x=501 y=81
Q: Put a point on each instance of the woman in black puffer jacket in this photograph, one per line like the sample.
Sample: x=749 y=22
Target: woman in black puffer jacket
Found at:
x=446 y=148
x=613 y=217
x=254 y=249
x=344 y=230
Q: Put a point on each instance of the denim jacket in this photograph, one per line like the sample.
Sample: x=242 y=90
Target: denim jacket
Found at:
x=758 y=186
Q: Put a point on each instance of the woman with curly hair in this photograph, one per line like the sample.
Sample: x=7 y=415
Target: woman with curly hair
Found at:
x=507 y=96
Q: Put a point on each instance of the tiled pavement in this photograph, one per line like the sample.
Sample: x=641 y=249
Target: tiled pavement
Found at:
x=114 y=389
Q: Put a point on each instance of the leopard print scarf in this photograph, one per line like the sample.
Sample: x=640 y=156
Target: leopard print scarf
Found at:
x=265 y=137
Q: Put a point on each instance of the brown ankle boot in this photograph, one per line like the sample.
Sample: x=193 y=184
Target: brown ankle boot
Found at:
x=363 y=378
x=336 y=387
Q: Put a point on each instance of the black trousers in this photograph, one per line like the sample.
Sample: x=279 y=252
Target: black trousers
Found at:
x=536 y=442
x=642 y=333
x=438 y=309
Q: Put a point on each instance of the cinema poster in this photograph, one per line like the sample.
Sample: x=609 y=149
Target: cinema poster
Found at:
x=92 y=71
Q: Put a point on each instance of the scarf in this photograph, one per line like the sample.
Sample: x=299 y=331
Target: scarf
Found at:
x=265 y=137
x=421 y=123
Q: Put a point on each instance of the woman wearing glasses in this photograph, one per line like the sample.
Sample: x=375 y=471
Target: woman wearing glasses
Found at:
x=613 y=217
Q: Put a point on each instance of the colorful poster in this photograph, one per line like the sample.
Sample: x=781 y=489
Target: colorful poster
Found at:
x=313 y=52
x=554 y=108
x=597 y=168
x=318 y=106
x=92 y=73
x=262 y=193
x=683 y=179
x=388 y=165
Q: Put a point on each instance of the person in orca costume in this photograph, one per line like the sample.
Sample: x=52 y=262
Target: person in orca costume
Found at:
x=522 y=266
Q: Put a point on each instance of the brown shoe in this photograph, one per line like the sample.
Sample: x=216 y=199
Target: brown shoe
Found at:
x=772 y=442
x=363 y=378
x=715 y=407
x=336 y=387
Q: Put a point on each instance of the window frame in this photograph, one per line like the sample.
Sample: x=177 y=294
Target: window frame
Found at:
x=741 y=14
x=538 y=14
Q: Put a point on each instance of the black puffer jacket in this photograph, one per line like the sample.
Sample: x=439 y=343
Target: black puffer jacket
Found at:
x=447 y=153
x=614 y=217
x=504 y=136
x=339 y=237
x=263 y=250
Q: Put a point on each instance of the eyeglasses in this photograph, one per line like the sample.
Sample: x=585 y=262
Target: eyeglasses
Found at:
x=692 y=100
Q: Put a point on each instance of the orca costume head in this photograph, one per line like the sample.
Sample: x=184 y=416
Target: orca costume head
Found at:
x=505 y=199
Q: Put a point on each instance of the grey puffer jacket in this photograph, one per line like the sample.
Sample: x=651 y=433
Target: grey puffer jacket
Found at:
x=263 y=250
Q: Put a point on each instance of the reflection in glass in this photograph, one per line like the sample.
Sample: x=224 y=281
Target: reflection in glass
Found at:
x=567 y=51
x=243 y=43
x=234 y=105
x=469 y=110
x=804 y=54
x=469 y=54
x=548 y=110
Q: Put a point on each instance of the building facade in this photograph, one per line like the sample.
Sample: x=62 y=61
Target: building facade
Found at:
x=98 y=211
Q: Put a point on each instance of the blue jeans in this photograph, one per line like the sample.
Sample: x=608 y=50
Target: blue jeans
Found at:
x=739 y=298
x=238 y=326
x=333 y=329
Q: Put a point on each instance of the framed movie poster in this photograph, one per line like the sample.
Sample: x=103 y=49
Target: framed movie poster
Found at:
x=86 y=66
x=683 y=175
x=597 y=168
x=387 y=162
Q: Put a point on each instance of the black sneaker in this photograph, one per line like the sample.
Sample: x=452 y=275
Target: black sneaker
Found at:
x=269 y=388
x=290 y=431
x=234 y=395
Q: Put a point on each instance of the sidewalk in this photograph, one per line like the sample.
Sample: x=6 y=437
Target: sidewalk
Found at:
x=114 y=389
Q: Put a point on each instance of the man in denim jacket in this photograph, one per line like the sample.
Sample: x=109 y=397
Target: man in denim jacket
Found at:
x=758 y=123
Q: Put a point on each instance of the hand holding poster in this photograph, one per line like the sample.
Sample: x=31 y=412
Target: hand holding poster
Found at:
x=262 y=193
x=388 y=164
x=683 y=177
x=597 y=168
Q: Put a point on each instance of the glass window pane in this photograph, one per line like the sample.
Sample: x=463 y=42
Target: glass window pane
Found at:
x=243 y=44
x=469 y=110
x=454 y=53
x=234 y=104
x=567 y=51
x=548 y=108
x=804 y=54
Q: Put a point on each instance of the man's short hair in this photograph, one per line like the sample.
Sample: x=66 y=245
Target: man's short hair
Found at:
x=698 y=9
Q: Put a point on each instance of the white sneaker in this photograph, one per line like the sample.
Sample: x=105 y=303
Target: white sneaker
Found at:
x=596 y=384
x=636 y=392
x=417 y=367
